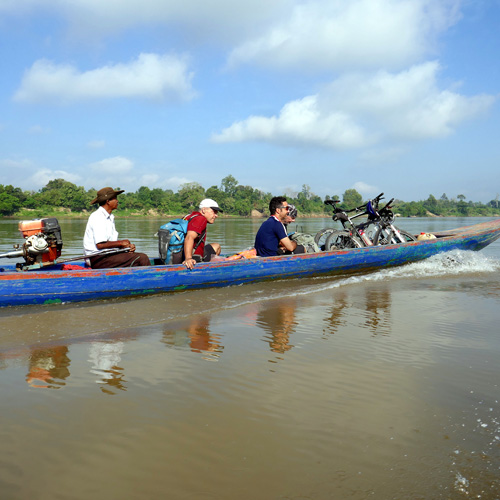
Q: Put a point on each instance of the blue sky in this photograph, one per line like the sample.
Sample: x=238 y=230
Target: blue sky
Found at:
x=399 y=96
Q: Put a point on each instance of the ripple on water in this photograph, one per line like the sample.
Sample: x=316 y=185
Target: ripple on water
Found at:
x=378 y=385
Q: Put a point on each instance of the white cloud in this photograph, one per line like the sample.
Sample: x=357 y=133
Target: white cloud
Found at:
x=149 y=180
x=116 y=165
x=217 y=20
x=38 y=130
x=359 y=110
x=298 y=34
x=175 y=182
x=366 y=189
x=15 y=165
x=335 y=34
x=384 y=155
x=150 y=76
x=406 y=105
x=299 y=122
x=41 y=177
x=17 y=6
x=97 y=144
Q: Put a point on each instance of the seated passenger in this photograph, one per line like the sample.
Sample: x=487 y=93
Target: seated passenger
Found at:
x=100 y=234
x=272 y=232
x=290 y=216
x=195 y=249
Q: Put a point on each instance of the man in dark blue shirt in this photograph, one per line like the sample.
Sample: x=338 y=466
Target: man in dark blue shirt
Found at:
x=272 y=232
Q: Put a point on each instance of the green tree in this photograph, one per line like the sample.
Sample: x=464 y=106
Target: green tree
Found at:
x=129 y=201
x=144 y=197
x=216 y=194
x=171 y=203
x=247 y=198
x=190 y=195
x=61 y=193
x=431 y=204
x=351 y=199
x=228 y=185
x=411 y=209
x=8 y=204
x=462 y=207
x=303 y=200
x=494 y=203
x=231 y=196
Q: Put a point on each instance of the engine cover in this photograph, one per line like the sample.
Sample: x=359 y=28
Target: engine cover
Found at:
x=34 y=231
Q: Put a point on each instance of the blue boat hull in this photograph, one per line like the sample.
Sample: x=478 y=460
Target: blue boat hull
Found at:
x=55 y=285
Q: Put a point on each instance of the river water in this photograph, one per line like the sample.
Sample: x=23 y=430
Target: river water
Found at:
x=381 y=386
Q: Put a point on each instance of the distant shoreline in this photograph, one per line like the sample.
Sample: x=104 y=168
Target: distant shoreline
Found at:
x=83 y=215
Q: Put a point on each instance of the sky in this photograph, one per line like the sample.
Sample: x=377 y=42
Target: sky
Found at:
x=393 y=96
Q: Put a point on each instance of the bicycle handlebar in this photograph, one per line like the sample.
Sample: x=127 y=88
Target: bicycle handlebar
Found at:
x=388 y=205
x=341 y=215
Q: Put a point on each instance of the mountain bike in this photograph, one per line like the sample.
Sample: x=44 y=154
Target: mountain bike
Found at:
x=352 y=235
x=378 y=229
x=386 y=233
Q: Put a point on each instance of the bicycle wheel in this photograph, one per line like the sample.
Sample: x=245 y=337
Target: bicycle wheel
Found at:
x=340 y=240
x=386 y=236
x=406 y=235
x=371 y=232
x=321 y=236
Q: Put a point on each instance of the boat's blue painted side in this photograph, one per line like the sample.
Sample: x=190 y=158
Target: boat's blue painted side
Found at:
x=53 y=285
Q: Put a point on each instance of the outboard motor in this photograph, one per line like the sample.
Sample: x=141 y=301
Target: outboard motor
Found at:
x=43 y=242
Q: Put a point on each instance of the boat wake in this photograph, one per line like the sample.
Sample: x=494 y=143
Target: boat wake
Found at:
x=455 y=263
x=450 y=264
x=123 y=315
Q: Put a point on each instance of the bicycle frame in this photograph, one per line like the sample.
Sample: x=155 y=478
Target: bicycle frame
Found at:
x=357 y=231
x=377 y=230
x=389 y=232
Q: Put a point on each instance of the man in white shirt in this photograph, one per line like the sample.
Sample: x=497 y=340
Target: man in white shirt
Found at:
x=101 y=234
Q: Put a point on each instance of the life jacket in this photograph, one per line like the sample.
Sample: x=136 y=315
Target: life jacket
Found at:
x=250 y=253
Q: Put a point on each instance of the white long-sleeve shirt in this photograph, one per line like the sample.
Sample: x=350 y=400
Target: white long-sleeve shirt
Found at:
x=100 y=228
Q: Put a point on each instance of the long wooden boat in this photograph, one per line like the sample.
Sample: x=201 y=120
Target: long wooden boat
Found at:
x=58 y=285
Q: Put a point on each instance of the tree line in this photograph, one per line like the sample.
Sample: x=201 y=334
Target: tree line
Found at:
x=60 y=195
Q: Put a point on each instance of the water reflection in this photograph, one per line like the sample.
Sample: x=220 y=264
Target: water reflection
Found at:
x=278 y=321
x=375 y=303
x=48 y=367
x=378 y=309
x=197 y=336
x=360 y=405
x=336 y=314
x=105 y=358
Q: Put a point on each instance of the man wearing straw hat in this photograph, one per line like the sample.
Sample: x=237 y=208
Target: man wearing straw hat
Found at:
x=101 y=236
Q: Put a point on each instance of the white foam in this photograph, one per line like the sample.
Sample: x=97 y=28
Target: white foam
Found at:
x=457 y=262
x=453 y=263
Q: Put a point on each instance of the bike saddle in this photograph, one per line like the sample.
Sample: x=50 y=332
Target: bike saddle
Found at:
x=341 y=217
